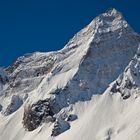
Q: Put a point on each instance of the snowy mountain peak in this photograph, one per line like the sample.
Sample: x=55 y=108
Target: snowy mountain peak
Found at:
x=109 y=21
x=81 y=87
x=113 y=12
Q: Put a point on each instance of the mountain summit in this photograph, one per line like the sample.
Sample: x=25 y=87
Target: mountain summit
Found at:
x=91 y=86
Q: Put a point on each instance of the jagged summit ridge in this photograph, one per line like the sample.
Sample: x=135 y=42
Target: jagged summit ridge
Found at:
x=110 y=21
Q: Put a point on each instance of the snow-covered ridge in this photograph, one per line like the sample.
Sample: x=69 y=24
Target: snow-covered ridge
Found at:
x=47 y=91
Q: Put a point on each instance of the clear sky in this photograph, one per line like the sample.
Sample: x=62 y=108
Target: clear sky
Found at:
x=44 y=25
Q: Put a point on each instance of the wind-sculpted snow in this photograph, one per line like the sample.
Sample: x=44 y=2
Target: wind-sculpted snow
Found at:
x=86 y=87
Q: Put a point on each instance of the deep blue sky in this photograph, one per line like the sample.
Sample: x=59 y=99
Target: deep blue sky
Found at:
x=44 y=25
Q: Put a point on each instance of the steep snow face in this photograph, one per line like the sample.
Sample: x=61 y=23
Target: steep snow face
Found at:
x=105 y=57
x=74 y=81
x=114 y=114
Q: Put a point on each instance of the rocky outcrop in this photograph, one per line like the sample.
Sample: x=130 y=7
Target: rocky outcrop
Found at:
x=36 y=114
x=60 y=126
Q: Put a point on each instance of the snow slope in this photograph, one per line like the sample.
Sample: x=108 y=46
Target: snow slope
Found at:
x=89 y=90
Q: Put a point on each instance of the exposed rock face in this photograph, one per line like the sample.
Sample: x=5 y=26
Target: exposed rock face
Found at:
x=60 y=126
x=28 y=71
x=0 y=107
x=72 y=117
x=37 y=113
x=4 y=79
